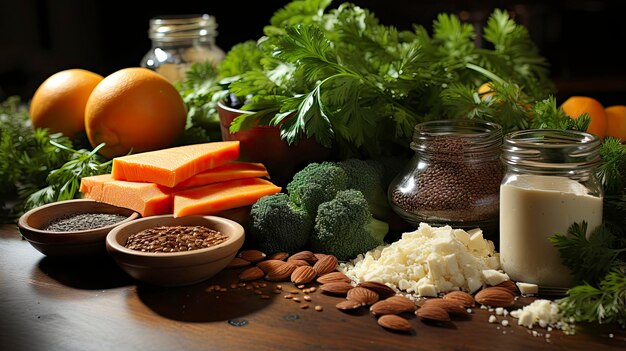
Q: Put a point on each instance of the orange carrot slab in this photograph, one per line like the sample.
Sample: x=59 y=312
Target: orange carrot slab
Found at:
x=148 y=199
x=229 y=171
x=213 y=198
x=171 y=166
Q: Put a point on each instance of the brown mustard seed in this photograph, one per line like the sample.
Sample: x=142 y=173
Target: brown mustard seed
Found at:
x=319 y=308
x=307 y=298
x=304 y=306
x=166 y=239
x=288 y=296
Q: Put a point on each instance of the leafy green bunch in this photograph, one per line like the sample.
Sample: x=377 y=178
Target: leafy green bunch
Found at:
x=342 y=77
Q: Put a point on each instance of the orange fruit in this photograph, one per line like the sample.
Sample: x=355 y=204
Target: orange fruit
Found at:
x=616 y=122
x=59 y=102
x=134 y=109
x=575 y=106
x=486 y=92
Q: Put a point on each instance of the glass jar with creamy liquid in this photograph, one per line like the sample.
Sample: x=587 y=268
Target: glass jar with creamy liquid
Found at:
x=549 y=184
x=180 y=41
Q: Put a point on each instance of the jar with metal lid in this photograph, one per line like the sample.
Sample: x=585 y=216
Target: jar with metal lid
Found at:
x=179 y=41
x=549 y=184
x=454 y=176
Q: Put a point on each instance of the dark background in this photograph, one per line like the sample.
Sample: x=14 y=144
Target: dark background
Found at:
x=583 y=40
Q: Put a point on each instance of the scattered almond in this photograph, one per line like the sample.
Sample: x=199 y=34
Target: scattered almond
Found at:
x=409 y=306
x=453 y=307
x=509 y=285
x=384 y=307
x=433 y=313
x=299 y=262
x=281 y=272
x=465 y=299
x=333 y=277
x=348 y=305
x=381 y=289
x=362 y=295
x=252 y=255
x=336 y=288
x=237 y=262
x=303 y=275
x=394 y=322
x=281 y=256
x=305 y=256
x=495 y=297
x=325 y=265
x=269 y=265
x=252 y=273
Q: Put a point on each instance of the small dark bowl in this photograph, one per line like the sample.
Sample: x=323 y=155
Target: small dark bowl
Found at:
x=72 y=243
x=175 y=268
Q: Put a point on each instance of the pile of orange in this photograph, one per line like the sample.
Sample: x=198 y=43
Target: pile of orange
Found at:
x=133 y=109
x=605 y=121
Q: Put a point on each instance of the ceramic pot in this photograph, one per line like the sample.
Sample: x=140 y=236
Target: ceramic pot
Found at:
x=263 y=144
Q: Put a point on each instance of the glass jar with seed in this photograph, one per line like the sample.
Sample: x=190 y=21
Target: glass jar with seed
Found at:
x=454 y=176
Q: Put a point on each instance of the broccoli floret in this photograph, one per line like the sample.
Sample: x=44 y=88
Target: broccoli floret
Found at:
x=315 y=184
x=345 y=227
x=367 y=177
x=277 y=225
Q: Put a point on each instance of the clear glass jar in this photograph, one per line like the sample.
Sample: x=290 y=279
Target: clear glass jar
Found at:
x=549 y=184
x=454 y=176
x=180 y=41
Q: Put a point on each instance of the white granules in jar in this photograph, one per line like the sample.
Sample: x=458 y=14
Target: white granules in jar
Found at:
x=429 y=261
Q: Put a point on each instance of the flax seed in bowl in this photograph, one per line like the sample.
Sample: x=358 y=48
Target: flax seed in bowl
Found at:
x=168 y=251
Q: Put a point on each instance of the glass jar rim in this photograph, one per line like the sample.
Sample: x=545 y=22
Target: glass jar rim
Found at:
x=551 y=149
x=178 y=27
x=477 y=135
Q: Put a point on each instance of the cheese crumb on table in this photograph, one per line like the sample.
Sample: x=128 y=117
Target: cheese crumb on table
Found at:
x=544 y=313
x=430 y=261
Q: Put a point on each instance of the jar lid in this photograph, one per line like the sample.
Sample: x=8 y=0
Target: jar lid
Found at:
x=176 y=27
x=551 y=149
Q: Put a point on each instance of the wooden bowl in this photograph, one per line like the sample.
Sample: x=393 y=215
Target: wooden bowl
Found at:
x=175 y=268
x=70 y=243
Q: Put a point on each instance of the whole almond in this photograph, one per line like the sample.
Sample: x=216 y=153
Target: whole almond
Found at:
x=409 y=306
x=381 y=289
x=509 y=285
x=348 y=305
x=495 y=297
x=453 y=307
x=333 y=277
x=304 y=255
x=362 y=295
x=319 y=255
x=433 y=313
x=393 y=322
x=336 y=288
x=252 y=273
x=281 y=273
x=252 y=255
x=466 y=300
x=281 y=256
x=325 y=265
x=384 y=307
x=303 y=275
x=299 y=262
x=270 y=265
x=237 y=262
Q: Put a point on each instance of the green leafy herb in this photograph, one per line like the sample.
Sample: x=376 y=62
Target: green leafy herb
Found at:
x=598 y=264
x=27 y=155
x=64 y=182
x=612 y=171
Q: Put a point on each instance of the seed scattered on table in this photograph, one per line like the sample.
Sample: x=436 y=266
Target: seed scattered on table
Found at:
x=319 y=308
x=165 y=239
x=304 y=306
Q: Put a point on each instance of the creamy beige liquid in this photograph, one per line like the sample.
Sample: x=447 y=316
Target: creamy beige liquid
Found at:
x=533 y=208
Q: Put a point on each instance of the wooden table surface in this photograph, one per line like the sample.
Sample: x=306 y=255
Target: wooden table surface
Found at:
x=51 y=304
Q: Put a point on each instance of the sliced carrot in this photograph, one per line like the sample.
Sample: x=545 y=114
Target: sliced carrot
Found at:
x=213 y=198
x=171 y=166
x=229 y=171
x=148 y=199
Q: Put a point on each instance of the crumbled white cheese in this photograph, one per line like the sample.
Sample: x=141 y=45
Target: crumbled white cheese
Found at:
x=493 y=277
x=505 y=323
x=544 y=313
x=527 y=288
x=442 y=258
x=493 y=319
